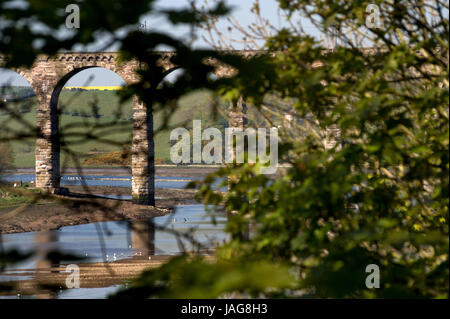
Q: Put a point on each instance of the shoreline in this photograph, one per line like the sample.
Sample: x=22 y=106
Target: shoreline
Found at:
x=82 y=207
x=160 y=170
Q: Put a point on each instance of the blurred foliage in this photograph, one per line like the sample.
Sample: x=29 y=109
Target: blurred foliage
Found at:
x=184 y=277
x=34 y=27
x=12 y=257
x=378 y=196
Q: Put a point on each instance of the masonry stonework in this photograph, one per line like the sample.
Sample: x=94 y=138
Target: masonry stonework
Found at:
x=48 y=76
x=143 y=155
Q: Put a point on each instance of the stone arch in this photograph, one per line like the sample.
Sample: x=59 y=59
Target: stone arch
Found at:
x=48 y=145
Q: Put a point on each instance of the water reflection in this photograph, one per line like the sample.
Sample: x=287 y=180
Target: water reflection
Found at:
x=125 y=247
x=46 y=242
x=143 y=237
x=46 y=262
x=96 y=240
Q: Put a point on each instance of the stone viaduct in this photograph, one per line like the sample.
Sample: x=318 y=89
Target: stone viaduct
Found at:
x=47 y=77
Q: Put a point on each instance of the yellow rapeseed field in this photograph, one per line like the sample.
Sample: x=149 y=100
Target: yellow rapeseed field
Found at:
x=109 y=88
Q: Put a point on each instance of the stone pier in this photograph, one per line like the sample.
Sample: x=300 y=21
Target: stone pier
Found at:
x=47 y=149
x=143 y=155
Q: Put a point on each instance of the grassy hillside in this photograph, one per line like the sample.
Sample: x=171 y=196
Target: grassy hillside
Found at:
x=83 y=110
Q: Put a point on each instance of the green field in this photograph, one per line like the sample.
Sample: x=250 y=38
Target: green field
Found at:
x=101 y=113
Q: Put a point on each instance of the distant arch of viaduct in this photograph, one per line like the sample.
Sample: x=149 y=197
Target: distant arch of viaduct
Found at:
x=47 y=77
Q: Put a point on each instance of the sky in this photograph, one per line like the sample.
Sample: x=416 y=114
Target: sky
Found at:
x=103 y=77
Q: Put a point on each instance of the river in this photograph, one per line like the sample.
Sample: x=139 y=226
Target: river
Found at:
x=113 y=241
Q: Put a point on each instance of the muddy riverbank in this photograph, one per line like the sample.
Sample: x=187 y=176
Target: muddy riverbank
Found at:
x=82 y=207
x=47 y=282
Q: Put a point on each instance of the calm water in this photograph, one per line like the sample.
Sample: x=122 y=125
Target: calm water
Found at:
x=105 y=180
x=118 y=238
x=84 y=240
x=171 y=182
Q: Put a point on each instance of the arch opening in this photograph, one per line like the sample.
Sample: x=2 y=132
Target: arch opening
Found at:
x=17 y=120
x=91 y=123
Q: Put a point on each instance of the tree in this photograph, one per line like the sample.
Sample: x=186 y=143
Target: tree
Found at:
x=21 y=43
x=377 y=196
